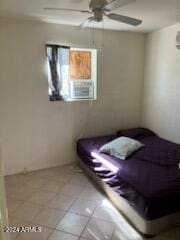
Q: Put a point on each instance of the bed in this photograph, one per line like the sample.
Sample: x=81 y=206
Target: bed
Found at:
x=146 y=186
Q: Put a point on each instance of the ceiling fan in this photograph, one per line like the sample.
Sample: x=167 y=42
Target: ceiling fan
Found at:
x=101 y=8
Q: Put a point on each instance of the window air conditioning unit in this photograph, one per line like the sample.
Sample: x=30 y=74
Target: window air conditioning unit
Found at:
x=82 y=89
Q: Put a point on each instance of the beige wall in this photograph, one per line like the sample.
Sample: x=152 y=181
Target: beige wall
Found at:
x=36 y=133
x=161 y=108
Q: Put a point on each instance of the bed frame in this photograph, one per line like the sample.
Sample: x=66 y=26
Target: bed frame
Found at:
x=148 y=228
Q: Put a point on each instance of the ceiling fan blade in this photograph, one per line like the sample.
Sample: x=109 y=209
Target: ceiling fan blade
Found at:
x=66 y=9
x=124 y=19
x=117 y=4
x=86 y=22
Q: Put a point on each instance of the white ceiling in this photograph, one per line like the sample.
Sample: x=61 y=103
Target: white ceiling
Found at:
x=155 y=14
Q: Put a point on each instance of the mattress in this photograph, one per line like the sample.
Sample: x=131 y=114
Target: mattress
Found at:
x=149 y=180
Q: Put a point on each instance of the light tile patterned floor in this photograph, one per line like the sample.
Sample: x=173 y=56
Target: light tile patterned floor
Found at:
x=67 y=206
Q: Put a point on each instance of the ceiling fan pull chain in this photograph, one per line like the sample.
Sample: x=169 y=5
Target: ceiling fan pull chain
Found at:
x=93 y=35
x=103 y=33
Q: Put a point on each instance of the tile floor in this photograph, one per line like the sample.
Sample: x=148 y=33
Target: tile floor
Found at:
x=67 y=206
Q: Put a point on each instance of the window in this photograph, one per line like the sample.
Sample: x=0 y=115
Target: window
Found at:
x=72 y=73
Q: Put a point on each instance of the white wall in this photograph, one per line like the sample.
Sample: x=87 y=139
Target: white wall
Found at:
x=161 y=108
x=36 y=133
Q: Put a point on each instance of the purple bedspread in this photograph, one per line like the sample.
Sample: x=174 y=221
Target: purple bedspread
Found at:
x=149 y=179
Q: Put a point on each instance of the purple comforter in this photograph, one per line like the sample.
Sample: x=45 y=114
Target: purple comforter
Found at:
x=149 y=179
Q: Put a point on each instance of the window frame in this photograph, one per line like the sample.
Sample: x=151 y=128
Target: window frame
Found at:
x=74 y=89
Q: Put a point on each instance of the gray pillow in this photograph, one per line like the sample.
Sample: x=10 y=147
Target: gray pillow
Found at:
x=121 y=147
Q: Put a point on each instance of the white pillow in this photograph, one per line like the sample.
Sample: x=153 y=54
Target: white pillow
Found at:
x=121 y=147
